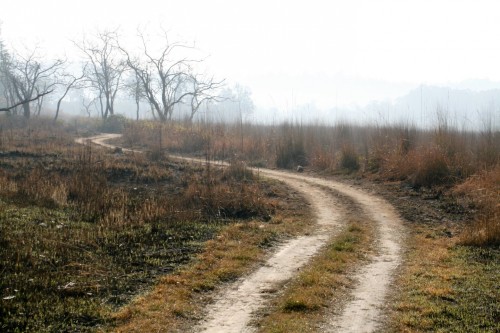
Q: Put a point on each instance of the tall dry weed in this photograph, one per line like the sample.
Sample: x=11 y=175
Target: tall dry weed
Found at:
x=484 y=192
x=431 y=168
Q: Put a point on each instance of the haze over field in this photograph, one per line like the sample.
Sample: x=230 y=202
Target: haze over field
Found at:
x=325 y=60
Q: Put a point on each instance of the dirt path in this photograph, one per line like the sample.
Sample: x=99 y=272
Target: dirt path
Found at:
x=233 y=307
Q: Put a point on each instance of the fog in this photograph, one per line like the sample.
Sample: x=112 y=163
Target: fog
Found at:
x=317 y=61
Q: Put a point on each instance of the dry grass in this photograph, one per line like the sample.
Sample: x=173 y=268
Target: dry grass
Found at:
x=436 y=159
x=446 y=288
x=483 y=191
x=179 y=299
x=83 y=230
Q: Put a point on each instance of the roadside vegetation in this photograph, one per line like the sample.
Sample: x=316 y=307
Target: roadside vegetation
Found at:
x=444 y=181
x=446 y=287
x=84 y=230
x=446 y=161
x=95 y=239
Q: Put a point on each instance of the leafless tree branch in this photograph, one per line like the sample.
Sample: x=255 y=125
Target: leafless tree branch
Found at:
x=26 y=101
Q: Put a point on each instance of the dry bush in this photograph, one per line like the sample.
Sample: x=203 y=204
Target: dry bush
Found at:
x=422 y=167
x=237 y=171
x=156 y=154
x=289 y=154
x=484 y=192
x=349 y=159
x=439 y=158
x=323 y=160
x=431 y=168
x=488 y=148
x=36 y=136
x=114 y=123
x=392 y=165
x=290 y=149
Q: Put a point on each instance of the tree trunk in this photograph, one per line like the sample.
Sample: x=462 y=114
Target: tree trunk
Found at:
x=137 y=109
x=26 y=110
x=58 y=107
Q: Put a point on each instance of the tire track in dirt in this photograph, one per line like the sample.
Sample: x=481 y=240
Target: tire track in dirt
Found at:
x=234 y=306
x=363 y=313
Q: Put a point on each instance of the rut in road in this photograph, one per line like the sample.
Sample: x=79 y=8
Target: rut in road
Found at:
x=233 y=308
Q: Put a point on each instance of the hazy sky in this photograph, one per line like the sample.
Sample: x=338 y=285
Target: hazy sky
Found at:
x=294 y=52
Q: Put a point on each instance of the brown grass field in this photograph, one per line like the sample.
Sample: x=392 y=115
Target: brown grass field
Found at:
x=95 y=240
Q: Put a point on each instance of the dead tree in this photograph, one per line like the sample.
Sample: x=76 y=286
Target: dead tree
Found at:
x=203 y=90
x=163 y=76
x=105 y=69
x=30 y=80
x=68 y=81
x=87 y=104
x=136 y=90
x=13 y=106
x=9 y=97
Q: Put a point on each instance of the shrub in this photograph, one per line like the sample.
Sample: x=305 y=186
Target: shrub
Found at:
x=238 y=171
x=194 y=142
x=290 y=150
x=432 y=169
x=323 y=160
x=289 y=154
x=114 y=124
x=349 y=159
x=156 y=154
x=483 y=191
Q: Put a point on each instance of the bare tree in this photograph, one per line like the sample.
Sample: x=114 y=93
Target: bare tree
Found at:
x=39 y=102
x=203 y=90
x=29 y=79
x=68 y=81
x=163 y=77
x=15 y=105
x=136 y=90
x=7 y=90
x=106 y=68
x=87 y=104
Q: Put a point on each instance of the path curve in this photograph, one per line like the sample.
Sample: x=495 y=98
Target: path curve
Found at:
x=234 y=306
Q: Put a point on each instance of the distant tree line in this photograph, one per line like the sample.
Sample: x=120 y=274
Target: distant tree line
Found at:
x=165 y=76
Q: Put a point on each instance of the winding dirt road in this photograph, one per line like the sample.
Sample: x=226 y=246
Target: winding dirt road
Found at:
x=233 y=307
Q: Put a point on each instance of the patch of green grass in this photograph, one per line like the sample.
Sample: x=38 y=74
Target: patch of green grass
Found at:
x=57 y=273
x=231 y=254
x=83 y=234
x=448 y=288
x=296 y=305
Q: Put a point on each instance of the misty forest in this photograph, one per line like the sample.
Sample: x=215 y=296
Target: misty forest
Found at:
x=145 y=187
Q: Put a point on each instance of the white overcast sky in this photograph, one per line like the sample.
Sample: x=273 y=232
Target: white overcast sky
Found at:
x=323 y=52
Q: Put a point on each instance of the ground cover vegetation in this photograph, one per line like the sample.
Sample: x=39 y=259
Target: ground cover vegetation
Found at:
x=444 y=181
x=447 y=161
x=84 y=230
